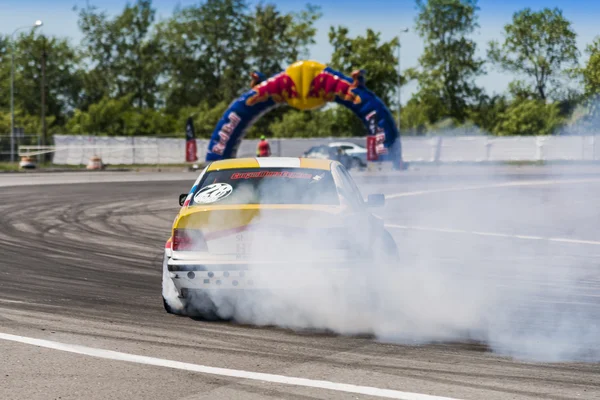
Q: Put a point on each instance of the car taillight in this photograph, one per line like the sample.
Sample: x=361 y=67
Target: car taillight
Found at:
x=188 y=240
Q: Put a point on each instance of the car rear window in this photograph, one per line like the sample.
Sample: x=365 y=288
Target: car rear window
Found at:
x=267 y=186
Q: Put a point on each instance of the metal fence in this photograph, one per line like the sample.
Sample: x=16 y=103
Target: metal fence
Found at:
x=20 y=140
x=498 y=149
x=77 y=149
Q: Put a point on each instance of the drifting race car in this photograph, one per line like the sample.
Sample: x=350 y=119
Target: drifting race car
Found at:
x=246 y=221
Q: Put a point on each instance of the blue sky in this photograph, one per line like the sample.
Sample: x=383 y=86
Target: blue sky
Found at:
x=386 y=16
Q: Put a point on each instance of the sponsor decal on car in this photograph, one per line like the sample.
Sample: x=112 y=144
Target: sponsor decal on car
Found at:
x=271 y=174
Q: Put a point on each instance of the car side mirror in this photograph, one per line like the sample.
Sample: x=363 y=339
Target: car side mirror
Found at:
x=182 y=198
x=376 y=200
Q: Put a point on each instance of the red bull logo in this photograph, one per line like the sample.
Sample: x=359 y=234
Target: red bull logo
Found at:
x=280 y=88
x=328 y=86
x=225 y=133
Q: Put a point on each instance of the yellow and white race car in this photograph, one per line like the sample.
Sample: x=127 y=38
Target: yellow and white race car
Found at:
x=253 y=224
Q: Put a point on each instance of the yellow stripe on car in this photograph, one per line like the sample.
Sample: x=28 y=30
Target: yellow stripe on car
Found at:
x=315 y=163
x=234 y=163
x=271 y=162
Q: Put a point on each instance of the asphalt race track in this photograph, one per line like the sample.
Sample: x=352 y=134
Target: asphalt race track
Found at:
x=80 y=265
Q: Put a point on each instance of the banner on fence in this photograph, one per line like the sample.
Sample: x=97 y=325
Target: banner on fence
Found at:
x=191 y=151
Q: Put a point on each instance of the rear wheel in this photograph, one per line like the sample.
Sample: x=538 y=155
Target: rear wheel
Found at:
x=386 y=249
x=355 y=163
x=172 y=310
x=198 y=304
x=194 y=308
x=194 y=303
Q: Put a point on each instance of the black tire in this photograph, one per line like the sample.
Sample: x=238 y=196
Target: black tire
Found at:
x=206 y=313
x=170 y=310
x=355 y=163
x=199 y=305
x=386 y=248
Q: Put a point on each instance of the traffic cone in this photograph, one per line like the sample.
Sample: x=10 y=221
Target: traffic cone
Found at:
x=26 y=163
x=95 y=163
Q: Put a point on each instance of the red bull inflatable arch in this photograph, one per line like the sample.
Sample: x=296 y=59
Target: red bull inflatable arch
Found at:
x=308 y=85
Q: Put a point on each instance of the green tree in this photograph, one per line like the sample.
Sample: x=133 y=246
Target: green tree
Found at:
x=448 y=66
x=5 y=71
x=344 y=123
x=123 y=53
x=591 y=71
x=31 y=123
x=416 y=115
x=63 y=77
x=334 y=121
x=103 y=117
x=205 y=118
x=586 y=107
x=210 y=49
x=205 y=50
x=115 y=117
x=539 y=45
x=368 y=53
x=298 y=124
x=488 y=111
x=278 y=39
x=529 y=117
x=302 y=31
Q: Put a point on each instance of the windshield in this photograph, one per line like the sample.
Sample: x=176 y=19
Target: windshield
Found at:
x=267 y=186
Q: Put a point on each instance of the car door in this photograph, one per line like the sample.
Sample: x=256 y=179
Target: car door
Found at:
x=359 y=220
x=351 y=188
x=348 y=149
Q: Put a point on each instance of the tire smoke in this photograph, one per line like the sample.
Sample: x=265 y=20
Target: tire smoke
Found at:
x=532 y=299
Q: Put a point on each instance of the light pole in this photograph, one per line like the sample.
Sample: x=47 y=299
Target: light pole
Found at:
x=403 y=30
x=36 y=24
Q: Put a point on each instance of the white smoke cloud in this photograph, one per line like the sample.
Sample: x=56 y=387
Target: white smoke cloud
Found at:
x=522 y=298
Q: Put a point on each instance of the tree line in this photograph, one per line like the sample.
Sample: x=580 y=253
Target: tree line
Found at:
x=132 y=74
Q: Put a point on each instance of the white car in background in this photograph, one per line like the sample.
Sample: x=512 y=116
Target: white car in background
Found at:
x=357 y=153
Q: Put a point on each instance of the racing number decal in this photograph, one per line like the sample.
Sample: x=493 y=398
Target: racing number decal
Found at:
x=213 y=193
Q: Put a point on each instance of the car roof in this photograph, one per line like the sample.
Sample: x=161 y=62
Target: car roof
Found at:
x=344 y=144
x=270 y=162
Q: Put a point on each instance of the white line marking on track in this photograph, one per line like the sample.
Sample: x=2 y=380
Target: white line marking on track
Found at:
x=257 y=376
x=12 y=301
x=494 y=234
x=493 y=186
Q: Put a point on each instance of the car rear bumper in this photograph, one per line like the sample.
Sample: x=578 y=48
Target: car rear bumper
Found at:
x=232 y=280
x=235 y=276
